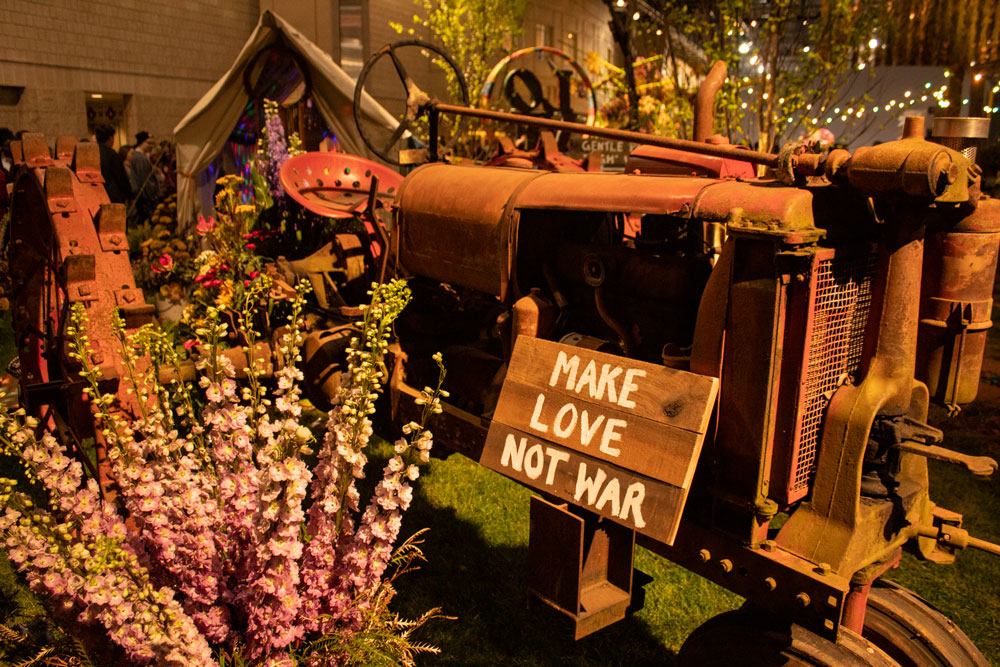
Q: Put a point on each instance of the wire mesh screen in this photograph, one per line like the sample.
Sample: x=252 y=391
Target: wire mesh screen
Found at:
x=842 y=303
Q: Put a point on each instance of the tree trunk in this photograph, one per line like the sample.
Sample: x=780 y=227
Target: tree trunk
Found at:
x=955 y=87
x=623 y=38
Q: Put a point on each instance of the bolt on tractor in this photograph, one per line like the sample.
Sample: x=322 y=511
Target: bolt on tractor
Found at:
x=732 y=371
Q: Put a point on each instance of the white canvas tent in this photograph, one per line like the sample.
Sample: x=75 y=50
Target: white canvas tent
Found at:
x=203 y=132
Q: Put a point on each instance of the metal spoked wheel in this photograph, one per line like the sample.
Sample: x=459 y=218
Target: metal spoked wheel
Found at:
x=750 y=637
x=67 y=245
x=914 y=633
x=416 y=99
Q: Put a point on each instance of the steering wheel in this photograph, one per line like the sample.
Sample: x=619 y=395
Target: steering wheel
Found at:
x=416 y=99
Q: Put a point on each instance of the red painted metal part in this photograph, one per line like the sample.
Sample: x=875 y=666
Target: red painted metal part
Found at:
x=68 y=246
x=840 y=297
x=657 y=160
x=856 y=601
x=336 y=185
x=340 y=186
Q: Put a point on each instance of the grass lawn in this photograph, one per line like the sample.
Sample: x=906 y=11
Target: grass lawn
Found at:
x=477 y=547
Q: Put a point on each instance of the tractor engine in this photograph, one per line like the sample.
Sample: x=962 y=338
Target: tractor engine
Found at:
x=496 y=256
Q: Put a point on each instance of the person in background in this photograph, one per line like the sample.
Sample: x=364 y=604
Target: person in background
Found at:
x=116 y=182
x=6 y=168
x=143 y=180
x=125 y=151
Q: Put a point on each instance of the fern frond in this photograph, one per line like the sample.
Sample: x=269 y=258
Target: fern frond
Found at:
x=423 y=647
x=9 y=635
x=28 y=662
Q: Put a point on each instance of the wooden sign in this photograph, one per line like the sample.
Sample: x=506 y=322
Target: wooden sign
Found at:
x=616 y=436
x=614 y=152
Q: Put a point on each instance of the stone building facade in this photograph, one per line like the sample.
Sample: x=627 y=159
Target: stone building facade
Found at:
x=141 y=64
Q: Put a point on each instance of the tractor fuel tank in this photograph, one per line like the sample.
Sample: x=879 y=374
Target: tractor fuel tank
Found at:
x=454 y=223
x=462 y=225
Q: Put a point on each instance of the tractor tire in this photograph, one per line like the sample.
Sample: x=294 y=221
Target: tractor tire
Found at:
x=752 y=637
x=914 y=633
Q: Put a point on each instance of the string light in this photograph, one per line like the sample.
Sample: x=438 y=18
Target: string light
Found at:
x=636 y=16
x=873 y=43
x=658 y=32
x=805 y=49
x=744 y=48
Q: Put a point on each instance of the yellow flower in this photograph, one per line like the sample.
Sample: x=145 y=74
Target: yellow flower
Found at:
x=228 y=179
x=245 y=209
x=225 y=297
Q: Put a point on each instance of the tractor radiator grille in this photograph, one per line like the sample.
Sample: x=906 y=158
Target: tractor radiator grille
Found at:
x=841 y=303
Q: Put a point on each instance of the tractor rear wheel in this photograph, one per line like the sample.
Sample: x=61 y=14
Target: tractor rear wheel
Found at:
x=914 y=633
x=750 y=636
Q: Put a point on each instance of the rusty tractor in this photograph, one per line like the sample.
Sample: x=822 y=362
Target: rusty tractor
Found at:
x=733 y=372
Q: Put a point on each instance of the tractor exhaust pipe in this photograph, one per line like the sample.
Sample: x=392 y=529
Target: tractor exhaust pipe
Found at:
x=704 y=102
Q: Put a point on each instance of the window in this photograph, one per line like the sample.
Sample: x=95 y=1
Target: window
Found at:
x=108 y=109
x=352 y=36
x=543 y=35
x=10 y=95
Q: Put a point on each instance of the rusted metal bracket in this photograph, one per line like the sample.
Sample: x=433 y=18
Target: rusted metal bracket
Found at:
x=59 y=190
x=87 y=162
x=111 y=228
x=35 y=150
x=65 y=145
x=80 y=274
x=133 y=307
x=579 y=565
x=809 y=594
